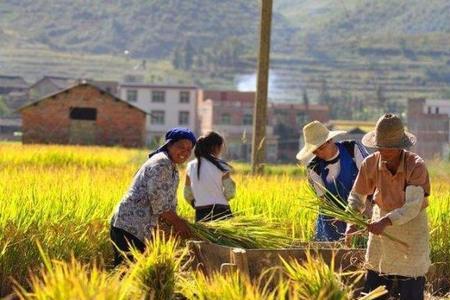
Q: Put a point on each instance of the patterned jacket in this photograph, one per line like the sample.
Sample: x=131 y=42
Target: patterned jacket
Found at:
x=152 y=192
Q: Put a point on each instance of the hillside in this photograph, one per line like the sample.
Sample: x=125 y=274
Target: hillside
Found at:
x=147 y=29
x=353 y=47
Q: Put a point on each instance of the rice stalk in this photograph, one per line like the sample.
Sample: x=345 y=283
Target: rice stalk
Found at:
x=74 y=280
x=334 y=208
x=232 y=286
x=314 y=279
x=248 y=232
x=156 y=270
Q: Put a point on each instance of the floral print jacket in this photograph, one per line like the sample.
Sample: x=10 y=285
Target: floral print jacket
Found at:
x=152 y=192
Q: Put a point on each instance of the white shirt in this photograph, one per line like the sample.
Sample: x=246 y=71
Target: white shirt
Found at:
x=207 y=189
x=333 y=171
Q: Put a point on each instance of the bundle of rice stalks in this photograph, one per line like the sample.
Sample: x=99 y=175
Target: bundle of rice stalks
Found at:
x=157 y=269
x=314 y=279
x=248 y=232
x=73 y=280
x=333 y=206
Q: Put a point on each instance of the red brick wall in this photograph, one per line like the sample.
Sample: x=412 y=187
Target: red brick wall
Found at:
x=431 y=130
x=117 y=123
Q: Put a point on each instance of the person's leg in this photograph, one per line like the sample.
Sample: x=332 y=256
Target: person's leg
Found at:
x=374 y=280
x=122 y=241
x=332 y=230
x=411 y=288
x=204 y=213
x=221 y=212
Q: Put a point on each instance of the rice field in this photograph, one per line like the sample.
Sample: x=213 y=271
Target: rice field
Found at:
x=56 y=201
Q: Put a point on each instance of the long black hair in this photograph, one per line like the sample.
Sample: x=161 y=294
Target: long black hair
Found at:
x=205 y=146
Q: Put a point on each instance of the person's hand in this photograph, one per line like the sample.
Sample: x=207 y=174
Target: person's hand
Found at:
x=179 y=225
x=349 y=233
x=378 y=227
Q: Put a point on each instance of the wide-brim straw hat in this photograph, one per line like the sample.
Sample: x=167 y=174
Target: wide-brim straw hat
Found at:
x=389 y=133
x=315 y=134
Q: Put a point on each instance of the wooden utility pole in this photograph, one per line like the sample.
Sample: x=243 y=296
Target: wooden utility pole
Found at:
x=260 y=113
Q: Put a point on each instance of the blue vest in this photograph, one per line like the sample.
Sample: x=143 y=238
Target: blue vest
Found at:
x=329 y=229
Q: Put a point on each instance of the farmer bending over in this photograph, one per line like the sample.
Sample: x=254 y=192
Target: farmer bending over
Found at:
x=401 y=184
x=332 y=168
x=152 y=196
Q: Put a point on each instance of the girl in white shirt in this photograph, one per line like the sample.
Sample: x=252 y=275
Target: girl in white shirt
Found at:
x=209 y=186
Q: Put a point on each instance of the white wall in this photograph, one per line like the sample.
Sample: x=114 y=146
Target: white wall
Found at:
x=171 y=106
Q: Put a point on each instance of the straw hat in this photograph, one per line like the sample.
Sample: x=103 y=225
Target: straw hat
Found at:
x=389 y=133
x=315 y=134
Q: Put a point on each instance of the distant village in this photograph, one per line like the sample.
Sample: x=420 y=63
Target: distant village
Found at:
x=61 y=110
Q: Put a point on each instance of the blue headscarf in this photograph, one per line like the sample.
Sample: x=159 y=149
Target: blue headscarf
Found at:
x=174 y=135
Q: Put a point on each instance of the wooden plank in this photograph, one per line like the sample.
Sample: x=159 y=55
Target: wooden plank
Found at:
x=239 y=258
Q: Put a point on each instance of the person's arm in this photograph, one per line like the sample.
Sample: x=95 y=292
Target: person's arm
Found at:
x=159 y=198
x=187 y=191
x=417 y=188
x=316 y=182
x=363 y=186
x=414 y=196
x=357 y=201
x=229 y=186
x=178 y=223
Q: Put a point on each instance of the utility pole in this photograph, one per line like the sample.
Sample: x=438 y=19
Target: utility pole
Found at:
x=260 y=112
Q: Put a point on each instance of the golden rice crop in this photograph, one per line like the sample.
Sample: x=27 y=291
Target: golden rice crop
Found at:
x=63 y=196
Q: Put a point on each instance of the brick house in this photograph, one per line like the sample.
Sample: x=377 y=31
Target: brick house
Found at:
x=428 y=119
x=48 y=85
x=288 y=120
x=83 y=114
x=231 y=113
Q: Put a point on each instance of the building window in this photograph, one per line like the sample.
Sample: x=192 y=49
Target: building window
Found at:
x=183 y=118
x=225 y=119
x=132 y=95
x=248 y=119
x=184 y=97
x=83 y=113
x=301 y=118
x=158 y=96
x=157 y=117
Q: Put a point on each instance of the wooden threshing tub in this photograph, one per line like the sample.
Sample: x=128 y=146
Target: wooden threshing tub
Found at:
x=212 y=258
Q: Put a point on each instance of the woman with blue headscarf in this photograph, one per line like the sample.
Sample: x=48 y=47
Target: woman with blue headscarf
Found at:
x=152 y=196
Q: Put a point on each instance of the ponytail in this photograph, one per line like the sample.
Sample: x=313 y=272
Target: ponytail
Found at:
x=205 y=147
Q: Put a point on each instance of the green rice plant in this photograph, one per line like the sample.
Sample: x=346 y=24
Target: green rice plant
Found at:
x=156 y=270
x=313 y=279
x=244 y=232
x=74 y=280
